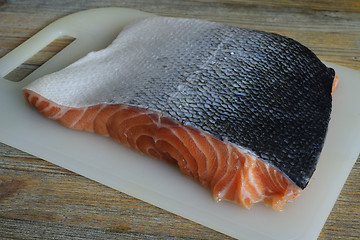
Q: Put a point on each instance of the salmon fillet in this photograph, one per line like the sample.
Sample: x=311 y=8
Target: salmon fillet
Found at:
x=243 y=112
x=229 y=171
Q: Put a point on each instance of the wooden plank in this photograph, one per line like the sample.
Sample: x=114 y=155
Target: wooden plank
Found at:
x=331 y=35
x=324 y=5
x=343 y=222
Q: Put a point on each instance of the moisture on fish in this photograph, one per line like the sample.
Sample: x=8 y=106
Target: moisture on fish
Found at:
x=242 y=111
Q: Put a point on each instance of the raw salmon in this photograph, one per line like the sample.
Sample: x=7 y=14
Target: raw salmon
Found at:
x=243 y=112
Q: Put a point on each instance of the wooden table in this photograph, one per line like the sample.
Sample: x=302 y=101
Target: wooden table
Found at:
x=41 y=200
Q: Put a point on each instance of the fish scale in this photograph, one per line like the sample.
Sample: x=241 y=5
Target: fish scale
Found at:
x=261 y=91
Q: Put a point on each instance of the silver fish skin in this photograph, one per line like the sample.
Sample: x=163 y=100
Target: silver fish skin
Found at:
x=261 y=91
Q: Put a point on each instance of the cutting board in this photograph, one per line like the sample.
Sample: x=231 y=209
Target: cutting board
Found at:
x=103 y=160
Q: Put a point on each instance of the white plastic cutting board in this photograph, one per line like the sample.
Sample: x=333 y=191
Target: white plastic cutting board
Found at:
x=154 y=181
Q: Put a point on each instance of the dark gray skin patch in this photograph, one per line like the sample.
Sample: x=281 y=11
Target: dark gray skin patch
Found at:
x=261 y=91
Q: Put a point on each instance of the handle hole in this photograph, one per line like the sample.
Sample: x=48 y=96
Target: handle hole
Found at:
x=41 y=57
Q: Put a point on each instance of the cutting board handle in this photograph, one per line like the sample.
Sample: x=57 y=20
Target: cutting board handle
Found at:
x=28 y=49
x=92 y=29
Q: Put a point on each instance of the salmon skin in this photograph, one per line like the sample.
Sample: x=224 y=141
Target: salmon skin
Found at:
x=244 y=112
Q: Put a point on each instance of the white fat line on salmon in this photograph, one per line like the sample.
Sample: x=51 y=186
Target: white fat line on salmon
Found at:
x=39 y=101
x=79 y=117
x=265 y=174
x=119 y=108
x=133 y=140
x=60 y=113
x=279 y=184
x=102 y=106
x=198 y=146
x=244 y=194
x=274 y=179
x=49 y=106
x=248 y=166
x=245 y=152
x=208 y=138
x=235 y=176
x=251 y=175
x=197 y=165
x=182 y=160
x=220 y=195
x=289 y=193
x=148 y=148
x=157 y=122
x=268 y=173
x=210 y=154
x=122 y=108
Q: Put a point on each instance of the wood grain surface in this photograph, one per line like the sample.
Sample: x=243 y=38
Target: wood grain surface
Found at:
x=39 y=200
